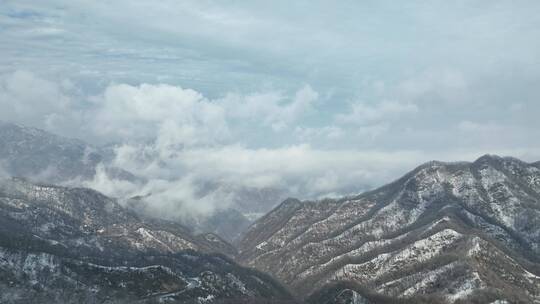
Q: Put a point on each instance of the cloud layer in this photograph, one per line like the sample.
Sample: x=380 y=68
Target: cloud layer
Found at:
x=318 y=98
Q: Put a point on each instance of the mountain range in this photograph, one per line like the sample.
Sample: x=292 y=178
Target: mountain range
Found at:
x=445 y=232
x=41 y=156
x=75 y=245
x=463 y=232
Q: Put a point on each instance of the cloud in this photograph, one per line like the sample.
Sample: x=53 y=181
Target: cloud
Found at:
x=29 y=99
x=272 y=109
x=176 y=117
x=433 y=88
x=174 y=198
x=309 y=134
x=180 y=116
x=490 y=134
x=181 y=141
x=294 y=166
x=258 y=94
x=365 y=114
x=177 y=176
x=435 y=85
x=106 y=184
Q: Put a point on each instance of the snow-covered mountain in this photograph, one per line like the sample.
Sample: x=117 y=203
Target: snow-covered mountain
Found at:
x=42 y=156
x=228 y=223
x=443 y=233
x=39 y=155
x=75 y=245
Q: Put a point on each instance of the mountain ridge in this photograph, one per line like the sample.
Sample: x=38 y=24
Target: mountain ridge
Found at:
x=67 y=245
x=43 y=156
x=39 y=156
x=493 y=197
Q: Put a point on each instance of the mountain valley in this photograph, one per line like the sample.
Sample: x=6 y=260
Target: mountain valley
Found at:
x=464 y=232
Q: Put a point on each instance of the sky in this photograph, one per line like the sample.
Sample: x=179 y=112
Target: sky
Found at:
x=318 y=97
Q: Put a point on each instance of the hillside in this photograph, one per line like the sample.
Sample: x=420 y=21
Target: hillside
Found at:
x=75 y=245
x=448 y=231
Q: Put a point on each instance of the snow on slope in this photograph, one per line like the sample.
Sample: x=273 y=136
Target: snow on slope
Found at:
x=411 y=237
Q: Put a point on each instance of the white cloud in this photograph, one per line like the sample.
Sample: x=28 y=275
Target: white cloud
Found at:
x=175 y=180
x=423 y=90
x=180 y=140
x=366 y=114
x=29 y=99
x=308 y=134
x=180 y=116
x=272 y=109
x=38 y=32
x=435 y=85
x=293 y=166
x=493 y=135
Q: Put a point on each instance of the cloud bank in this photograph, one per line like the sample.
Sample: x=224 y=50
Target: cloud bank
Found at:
x=315 y=97
x=181 y=141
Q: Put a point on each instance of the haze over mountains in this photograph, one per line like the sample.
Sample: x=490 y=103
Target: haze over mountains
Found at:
x=269 y=152
x=75 y=245
x=443 y=233
x=44 y=157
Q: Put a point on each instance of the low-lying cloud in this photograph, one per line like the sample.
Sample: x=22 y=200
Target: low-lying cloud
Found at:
x=194 y=153
x=202 y=99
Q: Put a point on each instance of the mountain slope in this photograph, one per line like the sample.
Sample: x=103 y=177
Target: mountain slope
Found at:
x=40 y=155
x=450 y=231
x=68 y=245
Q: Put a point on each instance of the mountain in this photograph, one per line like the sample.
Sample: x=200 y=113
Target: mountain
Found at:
x=444 y=233
x=256 y=202
x=40 y=155
x=246 y=205
x=227 y=223
x=75 y=245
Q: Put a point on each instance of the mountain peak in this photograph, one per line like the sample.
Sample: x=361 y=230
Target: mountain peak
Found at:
x=403 y=238
x=494 y=159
